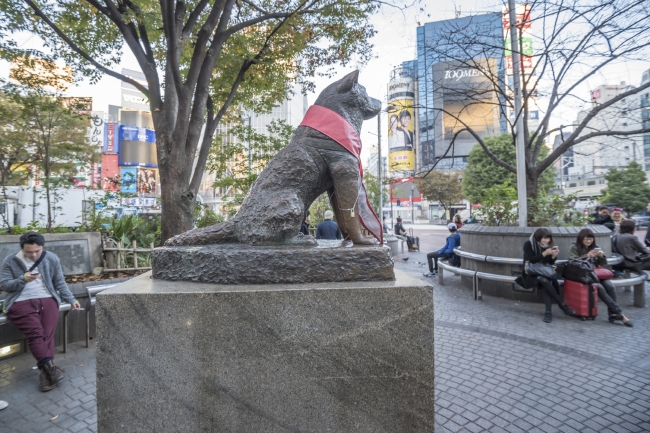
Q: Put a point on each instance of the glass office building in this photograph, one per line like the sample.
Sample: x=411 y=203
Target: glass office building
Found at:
x=446 y=53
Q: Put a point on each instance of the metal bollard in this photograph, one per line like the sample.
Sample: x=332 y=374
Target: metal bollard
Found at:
x=441 y=278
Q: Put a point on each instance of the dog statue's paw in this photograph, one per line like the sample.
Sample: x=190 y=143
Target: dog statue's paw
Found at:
x=366 y=241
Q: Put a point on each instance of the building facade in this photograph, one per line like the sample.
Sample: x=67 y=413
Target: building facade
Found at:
x=454 y=76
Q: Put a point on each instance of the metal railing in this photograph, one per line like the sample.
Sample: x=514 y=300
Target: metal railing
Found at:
x=66 y=308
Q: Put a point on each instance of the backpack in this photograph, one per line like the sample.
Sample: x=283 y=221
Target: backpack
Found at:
x=454 y=260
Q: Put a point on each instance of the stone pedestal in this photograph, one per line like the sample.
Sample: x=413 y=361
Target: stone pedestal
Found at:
x=316 y=357
x=278 y=264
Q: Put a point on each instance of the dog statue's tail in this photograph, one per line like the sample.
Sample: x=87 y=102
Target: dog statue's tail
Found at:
x=220 y=233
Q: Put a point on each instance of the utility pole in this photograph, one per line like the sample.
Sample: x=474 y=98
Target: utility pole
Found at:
x=381 y=212
x=520 y=145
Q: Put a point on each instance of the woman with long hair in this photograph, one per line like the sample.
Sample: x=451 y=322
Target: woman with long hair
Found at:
x=540 y=248
x=458 y=221
x=586 y=246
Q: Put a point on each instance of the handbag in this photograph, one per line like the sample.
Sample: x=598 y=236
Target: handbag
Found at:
x=603 y=274
x=580 y=270
x=540 y=269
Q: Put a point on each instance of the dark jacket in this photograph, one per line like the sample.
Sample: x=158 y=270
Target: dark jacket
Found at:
x=328 y=229
x=453 y=241
x=304 y=229
x=399 y=230
x=607 y=220
x=629 y=246
x=529 y=281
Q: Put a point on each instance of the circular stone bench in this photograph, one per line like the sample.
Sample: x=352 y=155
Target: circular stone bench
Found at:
x=504 y=247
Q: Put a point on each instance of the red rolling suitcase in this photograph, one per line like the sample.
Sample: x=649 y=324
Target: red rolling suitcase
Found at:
x=582 y=298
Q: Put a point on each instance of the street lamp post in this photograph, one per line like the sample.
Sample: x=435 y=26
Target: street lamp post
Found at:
x=389 y=109
x=522 y=205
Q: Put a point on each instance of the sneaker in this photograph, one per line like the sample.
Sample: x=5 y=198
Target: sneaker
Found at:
x=548 y=317
x=430 y=274
x=3 y=404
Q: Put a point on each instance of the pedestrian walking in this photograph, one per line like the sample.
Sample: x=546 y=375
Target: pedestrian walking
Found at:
x=328 y=229
x=541 y=252
x=34 y=281
x=453 y=240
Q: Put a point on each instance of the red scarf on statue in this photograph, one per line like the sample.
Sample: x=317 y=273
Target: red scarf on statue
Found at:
x=337 y=128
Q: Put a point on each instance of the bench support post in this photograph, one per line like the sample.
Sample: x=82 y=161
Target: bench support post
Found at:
x=65 y=331
x=639 y=295
x=441 y=278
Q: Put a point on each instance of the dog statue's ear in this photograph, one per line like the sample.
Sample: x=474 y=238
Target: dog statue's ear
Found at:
x=348 y=82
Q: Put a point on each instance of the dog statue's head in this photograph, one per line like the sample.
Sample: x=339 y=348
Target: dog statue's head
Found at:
x=348 y=98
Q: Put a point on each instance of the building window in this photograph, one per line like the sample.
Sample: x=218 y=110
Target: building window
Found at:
x=572 y=185
x=591 y=182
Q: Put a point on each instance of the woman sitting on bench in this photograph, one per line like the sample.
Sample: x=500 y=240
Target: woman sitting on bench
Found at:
x=540 y=248
x=632 y=250
x=586 y=246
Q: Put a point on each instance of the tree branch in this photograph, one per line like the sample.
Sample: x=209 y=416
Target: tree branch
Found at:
x=82 y=53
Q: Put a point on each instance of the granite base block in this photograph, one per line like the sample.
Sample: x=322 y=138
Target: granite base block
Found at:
x=319 y=357
x=245 y=264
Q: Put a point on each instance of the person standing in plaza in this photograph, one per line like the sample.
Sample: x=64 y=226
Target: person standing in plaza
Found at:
x=328 y=229
x=304 y=227
x=586 y=246
x=453 y=240
x=458 y=221
x=540 y=248
x=34 y=281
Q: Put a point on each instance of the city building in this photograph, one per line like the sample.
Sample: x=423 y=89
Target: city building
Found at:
x=645 y=119
x=455 y=83
x=292 y=110
x=582 y=168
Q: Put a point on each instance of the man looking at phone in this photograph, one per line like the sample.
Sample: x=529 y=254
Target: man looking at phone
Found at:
x=34 y=281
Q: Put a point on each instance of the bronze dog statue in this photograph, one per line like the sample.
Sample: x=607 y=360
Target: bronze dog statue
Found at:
x=313 y=163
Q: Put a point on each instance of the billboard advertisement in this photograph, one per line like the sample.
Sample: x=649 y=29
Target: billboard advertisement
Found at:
x=96 y=131
x=110 y=170
x=137 y=146
x=129 y=180
x=110 y=137
x=401 y=138
x=147 y=180
x=525 y=38
x=401 y=160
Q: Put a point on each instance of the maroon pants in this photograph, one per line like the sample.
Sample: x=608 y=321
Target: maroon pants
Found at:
x=37 y=319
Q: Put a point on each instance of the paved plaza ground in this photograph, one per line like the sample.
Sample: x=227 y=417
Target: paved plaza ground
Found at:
x=499 y=368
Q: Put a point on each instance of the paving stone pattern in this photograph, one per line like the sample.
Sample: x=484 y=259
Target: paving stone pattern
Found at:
x=499 y=368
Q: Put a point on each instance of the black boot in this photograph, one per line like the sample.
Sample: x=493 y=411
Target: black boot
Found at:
x=45 y=384
x=54 y=373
